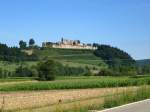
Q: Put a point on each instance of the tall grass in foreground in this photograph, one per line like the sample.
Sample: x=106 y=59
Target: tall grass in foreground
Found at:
x=141 y=93
x=127 y=96
x=118 y=98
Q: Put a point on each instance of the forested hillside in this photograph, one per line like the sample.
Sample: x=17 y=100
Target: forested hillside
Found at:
x=114 y=56
x=119 y=62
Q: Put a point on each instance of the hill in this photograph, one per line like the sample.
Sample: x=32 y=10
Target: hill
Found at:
x=69 y=57
x=102 y=57
x=143 y=62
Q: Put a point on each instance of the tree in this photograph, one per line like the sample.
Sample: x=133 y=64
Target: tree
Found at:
x=31 y=42
x=78 y=41
x=23 y=71
x=22 y=44
x=95 y=44
x=47 y=70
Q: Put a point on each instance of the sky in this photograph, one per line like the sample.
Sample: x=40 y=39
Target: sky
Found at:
x=120 y=23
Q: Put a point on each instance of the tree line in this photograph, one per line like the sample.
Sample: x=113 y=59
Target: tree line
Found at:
x=45 y=70
x=15 y=54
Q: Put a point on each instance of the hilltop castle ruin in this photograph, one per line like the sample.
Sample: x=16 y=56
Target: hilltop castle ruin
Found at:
x=68 y=44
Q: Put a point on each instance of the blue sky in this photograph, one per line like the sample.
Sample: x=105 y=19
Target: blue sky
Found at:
x=121 y=23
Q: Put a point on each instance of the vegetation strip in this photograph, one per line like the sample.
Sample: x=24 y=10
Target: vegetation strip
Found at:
x=77 y=84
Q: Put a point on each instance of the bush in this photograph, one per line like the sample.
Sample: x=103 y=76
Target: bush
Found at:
x=47 y=70
x=87 y=71
x=105 y=72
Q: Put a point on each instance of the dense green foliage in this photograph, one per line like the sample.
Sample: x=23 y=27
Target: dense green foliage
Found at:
x=24 y=71
x=120 y=62
x=30 y=69
x=14 y=54
x=106 y=72
x=31 y=42
x=5 y=73
x=114 y=56
x=77 y=83
x=47 y=70
x=22 y=44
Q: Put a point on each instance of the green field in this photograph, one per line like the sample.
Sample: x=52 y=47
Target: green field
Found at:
x=76 y=83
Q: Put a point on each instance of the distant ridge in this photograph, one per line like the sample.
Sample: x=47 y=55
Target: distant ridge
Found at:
x=143 y=62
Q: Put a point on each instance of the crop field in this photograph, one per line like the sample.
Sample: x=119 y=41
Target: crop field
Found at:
x=65 y=93
x=76 y=83
x=37 y=99
x=72 y=100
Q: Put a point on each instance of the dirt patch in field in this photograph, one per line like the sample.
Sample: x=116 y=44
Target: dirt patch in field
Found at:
x=19 y=82
x=22 y=100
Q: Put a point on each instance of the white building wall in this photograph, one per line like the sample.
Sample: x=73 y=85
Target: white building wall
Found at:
x=73 y=47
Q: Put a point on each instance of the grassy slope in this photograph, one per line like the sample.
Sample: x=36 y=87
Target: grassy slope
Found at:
x=71 y=57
